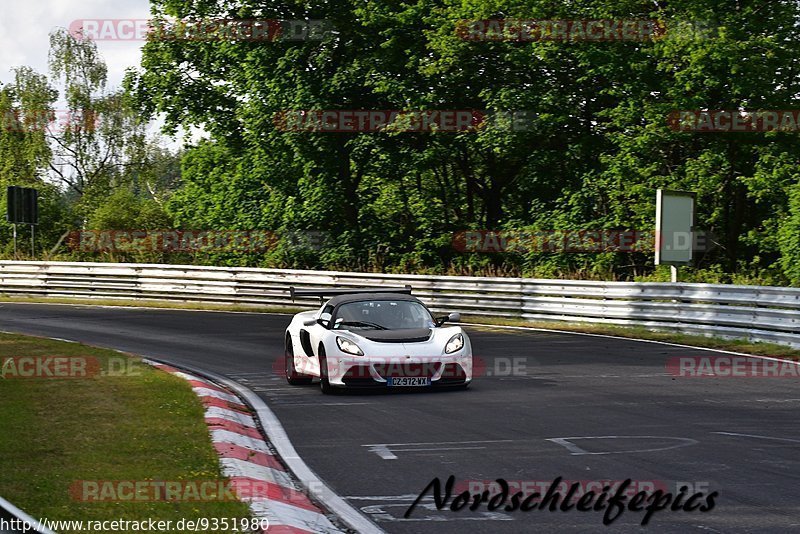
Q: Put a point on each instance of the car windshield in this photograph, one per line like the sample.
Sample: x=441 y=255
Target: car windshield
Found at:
x=382 y=315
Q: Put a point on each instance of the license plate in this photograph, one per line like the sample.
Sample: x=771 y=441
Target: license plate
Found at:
x=408 y=381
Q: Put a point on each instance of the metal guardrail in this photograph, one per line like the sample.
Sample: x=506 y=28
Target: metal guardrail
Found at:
x=757 y=313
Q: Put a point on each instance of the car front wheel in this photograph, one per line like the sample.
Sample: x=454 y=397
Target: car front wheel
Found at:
x=292 y=376
x=324 y=383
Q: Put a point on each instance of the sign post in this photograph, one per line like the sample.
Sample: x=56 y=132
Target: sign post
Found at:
x=675 y=216
x=22 y=207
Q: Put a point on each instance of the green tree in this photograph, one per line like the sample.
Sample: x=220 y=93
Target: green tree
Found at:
x=595 y=149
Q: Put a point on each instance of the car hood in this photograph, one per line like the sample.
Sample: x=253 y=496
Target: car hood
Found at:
x=405 y=335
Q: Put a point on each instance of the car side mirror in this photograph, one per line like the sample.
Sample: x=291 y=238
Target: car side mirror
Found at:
x=324 y=319
x=452 y=318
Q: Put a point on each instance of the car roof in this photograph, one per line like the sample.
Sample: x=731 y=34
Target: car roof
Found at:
x=357 y=297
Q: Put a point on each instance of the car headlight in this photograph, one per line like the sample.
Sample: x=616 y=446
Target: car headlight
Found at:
x=345 y=345
x=455 y=344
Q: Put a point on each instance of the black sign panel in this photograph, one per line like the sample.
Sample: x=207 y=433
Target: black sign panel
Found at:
x=23 y=205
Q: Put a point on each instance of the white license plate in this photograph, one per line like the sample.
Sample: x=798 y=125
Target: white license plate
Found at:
x=408 y=381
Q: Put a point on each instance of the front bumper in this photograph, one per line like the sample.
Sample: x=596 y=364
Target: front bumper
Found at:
x=447 y=370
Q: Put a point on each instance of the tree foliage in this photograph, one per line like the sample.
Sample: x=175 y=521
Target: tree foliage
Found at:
x=594 y=149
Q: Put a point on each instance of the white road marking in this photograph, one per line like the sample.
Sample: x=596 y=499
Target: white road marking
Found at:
x=442 y=442
x=325 y=403
x=440 y=449
x=757 y=437
x=384 y=450
x=379 y=512
x=406 y=497
x=571 y=447
x=64 y=340
x=703 y=527
x=650 y=375
x=577 y=451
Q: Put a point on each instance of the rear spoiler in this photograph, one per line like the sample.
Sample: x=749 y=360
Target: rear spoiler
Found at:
x=323 y=292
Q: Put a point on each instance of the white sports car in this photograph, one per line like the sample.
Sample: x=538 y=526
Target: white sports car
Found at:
x=375 y=338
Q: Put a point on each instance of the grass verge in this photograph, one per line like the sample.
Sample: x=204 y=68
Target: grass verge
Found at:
x=124 y=422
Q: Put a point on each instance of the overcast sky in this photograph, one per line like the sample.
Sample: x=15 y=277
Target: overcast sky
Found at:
x=25 y=26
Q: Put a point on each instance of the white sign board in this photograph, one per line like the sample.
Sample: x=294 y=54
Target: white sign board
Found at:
x=674 y=227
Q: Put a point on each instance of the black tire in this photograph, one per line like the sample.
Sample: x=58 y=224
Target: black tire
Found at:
x=292 y=376
x=324 y=384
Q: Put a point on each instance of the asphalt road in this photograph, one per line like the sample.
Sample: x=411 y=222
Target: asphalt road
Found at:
x=548 y=405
